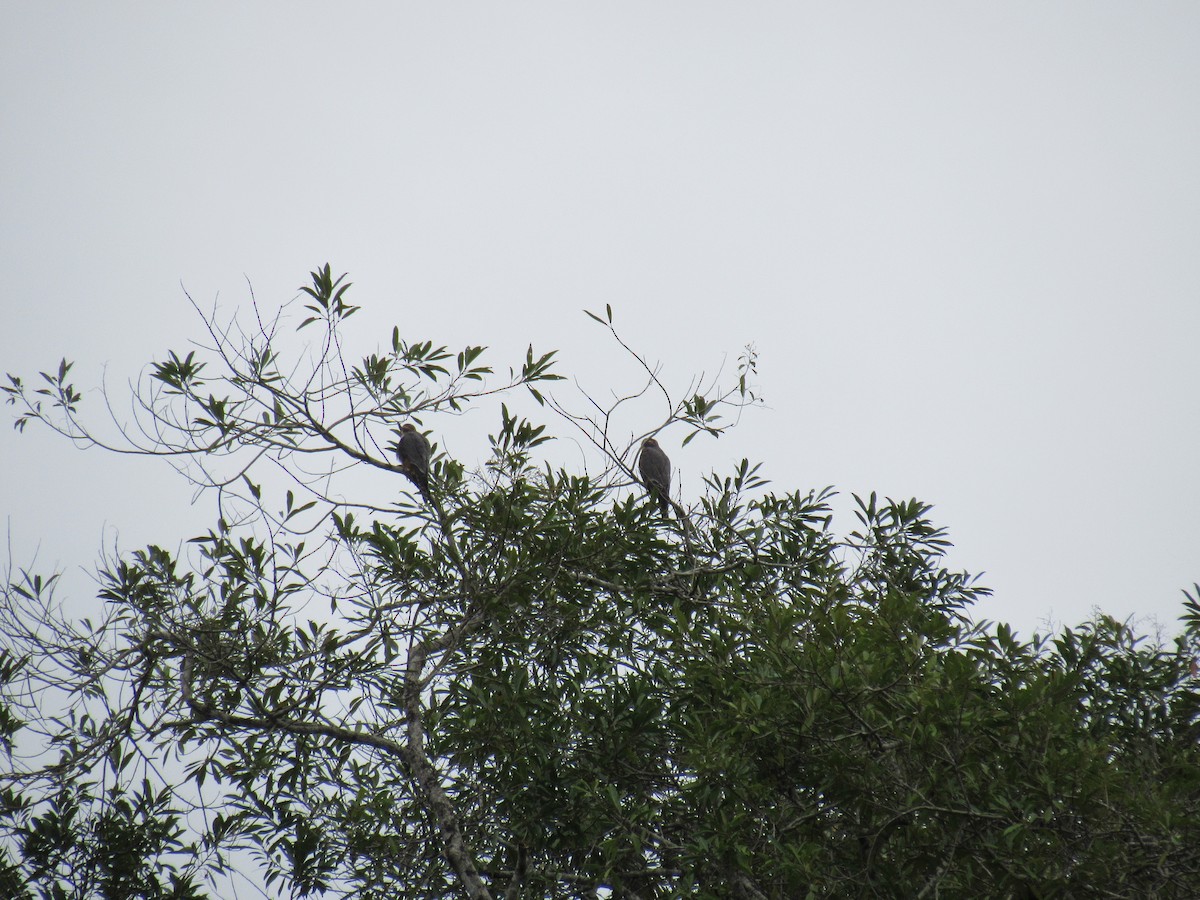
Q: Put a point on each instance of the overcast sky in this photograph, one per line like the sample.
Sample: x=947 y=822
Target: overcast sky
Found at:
x=964 y=238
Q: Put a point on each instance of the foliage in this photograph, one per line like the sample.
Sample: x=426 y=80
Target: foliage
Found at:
x=534 y=686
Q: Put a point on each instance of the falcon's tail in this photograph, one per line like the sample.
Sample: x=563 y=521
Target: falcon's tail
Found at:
x=418 y=478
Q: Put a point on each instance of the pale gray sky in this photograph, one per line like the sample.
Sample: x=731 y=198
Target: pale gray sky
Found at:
x=963 y=238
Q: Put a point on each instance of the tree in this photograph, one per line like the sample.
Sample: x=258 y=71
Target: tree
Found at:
x=529 y=684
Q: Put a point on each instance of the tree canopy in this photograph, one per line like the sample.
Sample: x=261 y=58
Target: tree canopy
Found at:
x=530 y=681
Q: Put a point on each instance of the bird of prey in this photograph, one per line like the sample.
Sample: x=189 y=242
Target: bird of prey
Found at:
x=413 y=450
x=656 y=473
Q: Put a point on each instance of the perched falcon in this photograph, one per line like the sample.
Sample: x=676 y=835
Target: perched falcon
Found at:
x=656 y=473
x=413 y=450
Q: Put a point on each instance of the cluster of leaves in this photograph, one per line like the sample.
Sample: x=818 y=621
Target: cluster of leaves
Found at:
x=534 y=686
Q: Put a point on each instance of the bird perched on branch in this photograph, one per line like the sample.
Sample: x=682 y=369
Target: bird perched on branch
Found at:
x=655 y=469
x=413 y=450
